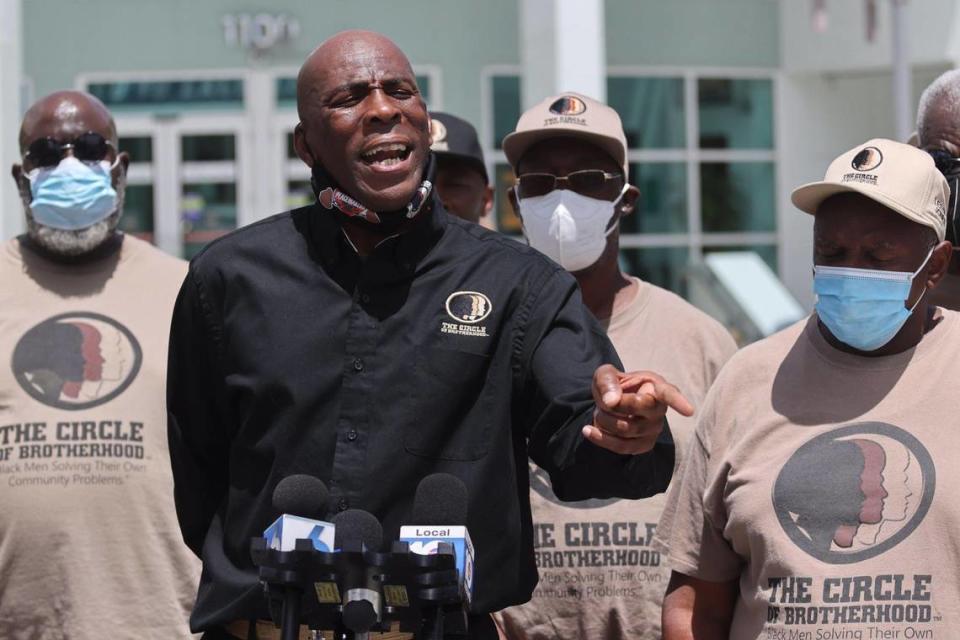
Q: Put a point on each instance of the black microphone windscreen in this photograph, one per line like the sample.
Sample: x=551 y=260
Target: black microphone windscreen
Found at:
x=441 y=499
x=301 y=495
x=357 y=525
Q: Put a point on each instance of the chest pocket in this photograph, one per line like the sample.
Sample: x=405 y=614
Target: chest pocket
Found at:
x=452 y=416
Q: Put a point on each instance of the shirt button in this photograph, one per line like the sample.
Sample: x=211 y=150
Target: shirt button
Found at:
x=357 y=364
x=365 y=297
x=343 y=505
x=352 y=435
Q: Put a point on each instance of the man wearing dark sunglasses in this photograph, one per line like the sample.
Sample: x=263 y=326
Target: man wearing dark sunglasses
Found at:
x=89 y=546
x=938 y=133
x=569 y=156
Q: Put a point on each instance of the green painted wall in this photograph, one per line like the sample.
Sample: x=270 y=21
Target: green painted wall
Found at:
x=735 y=33
x=63 y=38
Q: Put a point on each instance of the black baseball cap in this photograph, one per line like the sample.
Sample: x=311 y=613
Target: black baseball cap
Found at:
x=455 y=138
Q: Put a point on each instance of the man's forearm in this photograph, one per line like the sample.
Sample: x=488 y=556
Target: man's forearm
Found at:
x=598 y=473
x=695 y=609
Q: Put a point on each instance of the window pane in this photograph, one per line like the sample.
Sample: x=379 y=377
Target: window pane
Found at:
x=299 y=194
x=207 y=148
x=766 y=251
x=209 y=210
x=663 y=198
x=507 y=220
x=139 y=148
x=423 y=82
x=286 y=92
x=291 y=150
x=177 y=94
x=737 y=196
x=137 y=218
x=735 y=114
x=651 y=110
x=663 y=266
x=506 y=107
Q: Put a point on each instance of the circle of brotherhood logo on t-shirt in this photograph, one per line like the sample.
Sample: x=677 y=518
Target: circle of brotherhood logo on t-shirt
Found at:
x=854 y=492
x=76 y=360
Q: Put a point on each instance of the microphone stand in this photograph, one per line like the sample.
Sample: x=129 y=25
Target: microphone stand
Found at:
x=290 y=625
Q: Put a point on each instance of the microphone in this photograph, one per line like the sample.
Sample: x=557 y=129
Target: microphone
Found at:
x=304 y=495
x=440 y=509
x=301 y=500
x=359 y=530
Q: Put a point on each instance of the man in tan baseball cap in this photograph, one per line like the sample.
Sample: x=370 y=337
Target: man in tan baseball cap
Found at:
x=569 y=156
x=898 y=176
x=803 y=434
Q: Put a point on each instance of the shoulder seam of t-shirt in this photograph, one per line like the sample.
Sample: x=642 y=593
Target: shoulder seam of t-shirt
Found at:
x=920 y=351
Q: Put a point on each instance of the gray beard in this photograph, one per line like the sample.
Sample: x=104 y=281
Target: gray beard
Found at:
x=72 y=242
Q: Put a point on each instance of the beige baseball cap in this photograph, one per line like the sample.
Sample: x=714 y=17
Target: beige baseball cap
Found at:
x=897 y=175
x=569 y=115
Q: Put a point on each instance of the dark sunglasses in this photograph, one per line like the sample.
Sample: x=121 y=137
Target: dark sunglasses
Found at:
x=589 y=182
x=950 y=168
x=88 y=147
x=946 y=164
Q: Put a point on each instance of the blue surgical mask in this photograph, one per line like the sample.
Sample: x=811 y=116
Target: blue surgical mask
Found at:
x=72 y=195
x=864 y=308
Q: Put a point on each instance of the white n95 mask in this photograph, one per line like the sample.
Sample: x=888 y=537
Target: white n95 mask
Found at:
x=567 y=227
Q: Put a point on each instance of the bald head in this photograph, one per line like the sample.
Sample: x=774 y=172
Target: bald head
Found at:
x=347 y=49
x=64 y=115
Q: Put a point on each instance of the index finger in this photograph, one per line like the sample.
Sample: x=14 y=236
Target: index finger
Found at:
x=671 y=396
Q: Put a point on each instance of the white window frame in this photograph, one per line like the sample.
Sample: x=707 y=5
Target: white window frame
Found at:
x=166 y=172
x=695 y=239
x=493 y=156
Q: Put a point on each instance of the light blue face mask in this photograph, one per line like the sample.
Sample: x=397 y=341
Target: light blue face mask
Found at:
x=864 y=308
x=72 y=195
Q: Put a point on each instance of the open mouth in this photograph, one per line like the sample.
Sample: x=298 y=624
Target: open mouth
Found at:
x=387 y=155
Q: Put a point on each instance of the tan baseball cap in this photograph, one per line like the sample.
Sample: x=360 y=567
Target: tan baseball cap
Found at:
x=569 y=115
x=897 y=175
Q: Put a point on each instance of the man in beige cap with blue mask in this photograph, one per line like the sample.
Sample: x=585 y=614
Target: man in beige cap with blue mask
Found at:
x=599 y=576
x=817 y=498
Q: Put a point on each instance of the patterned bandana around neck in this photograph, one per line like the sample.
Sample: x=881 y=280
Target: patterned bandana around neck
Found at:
x=331 y=197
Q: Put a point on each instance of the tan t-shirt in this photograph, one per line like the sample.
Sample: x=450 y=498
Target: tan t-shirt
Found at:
x=825 y=482
x=599 y=576
x=89 y=542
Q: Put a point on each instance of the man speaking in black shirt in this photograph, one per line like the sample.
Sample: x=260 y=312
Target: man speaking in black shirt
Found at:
x=370 y=339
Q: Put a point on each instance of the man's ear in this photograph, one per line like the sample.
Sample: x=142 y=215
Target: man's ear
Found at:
x=939 y=263
x=123 y=161
x=629 y=201
x=301 y=147
x=514 y=202
x=487 y=201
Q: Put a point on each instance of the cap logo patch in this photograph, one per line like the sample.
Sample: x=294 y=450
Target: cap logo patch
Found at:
x=438 y=136
x=867 y=159
x=940 y=209
x=568 y=106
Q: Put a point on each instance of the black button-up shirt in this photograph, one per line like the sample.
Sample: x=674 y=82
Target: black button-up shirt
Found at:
x=450 y=348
